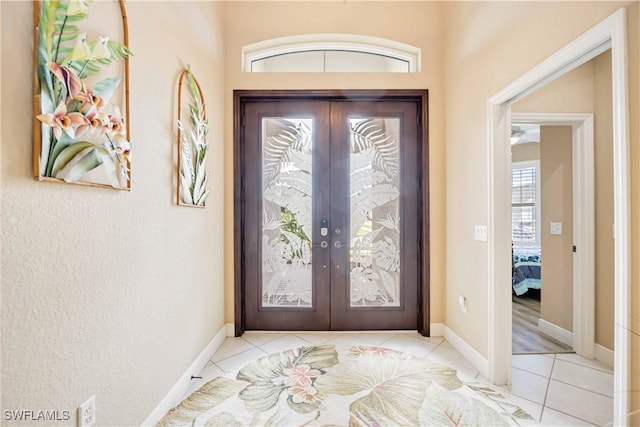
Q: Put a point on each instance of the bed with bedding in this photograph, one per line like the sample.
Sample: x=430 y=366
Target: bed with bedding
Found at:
x=526 y=269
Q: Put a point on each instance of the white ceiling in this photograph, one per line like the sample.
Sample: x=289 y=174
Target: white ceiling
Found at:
x=522 y=133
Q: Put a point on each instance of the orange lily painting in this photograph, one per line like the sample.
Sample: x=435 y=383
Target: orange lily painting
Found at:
x=80 y=133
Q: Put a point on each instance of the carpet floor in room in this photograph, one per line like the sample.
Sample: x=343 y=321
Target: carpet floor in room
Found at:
x=385 y=378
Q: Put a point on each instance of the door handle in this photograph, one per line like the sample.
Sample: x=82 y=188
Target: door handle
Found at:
x=337 y=244
x=324 y=244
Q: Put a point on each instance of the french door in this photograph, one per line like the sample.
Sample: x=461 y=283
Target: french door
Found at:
x=330 y=213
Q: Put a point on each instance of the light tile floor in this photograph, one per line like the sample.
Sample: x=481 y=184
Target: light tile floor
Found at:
x=557 y=390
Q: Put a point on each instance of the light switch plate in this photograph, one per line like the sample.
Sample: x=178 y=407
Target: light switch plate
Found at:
x=481 y=232
x=556 y=228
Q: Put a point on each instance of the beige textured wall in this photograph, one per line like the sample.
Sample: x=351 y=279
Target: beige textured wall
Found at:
x=571 y=93
x=416 y=23
x=489 y=45
x=525 y=152
x=107 y=292
x=556 y=188
x=603 y=146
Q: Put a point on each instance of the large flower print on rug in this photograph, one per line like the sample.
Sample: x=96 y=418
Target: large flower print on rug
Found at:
x=360 y=386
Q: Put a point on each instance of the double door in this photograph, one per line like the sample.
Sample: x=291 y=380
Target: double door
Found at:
x=330 y=215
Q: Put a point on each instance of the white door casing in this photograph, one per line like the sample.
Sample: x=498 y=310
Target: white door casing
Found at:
x=608 y=34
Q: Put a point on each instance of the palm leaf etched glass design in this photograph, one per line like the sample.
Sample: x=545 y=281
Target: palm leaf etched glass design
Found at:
x=287 y=148
x=375 y=218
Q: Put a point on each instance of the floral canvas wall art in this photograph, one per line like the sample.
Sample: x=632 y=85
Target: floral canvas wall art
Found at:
x=81 y=134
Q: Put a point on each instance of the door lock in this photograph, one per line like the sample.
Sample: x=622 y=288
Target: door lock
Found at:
x=324 y=244
x=337 y=244
x=324 y=228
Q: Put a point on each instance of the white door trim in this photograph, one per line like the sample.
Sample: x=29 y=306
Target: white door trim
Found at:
x=583 y=222
x=610 y=33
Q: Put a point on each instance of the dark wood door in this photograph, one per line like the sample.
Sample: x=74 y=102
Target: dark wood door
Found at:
x=329 y=215
x=374 y=204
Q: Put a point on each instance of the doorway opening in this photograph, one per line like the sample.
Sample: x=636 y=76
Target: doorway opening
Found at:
x=332 y=207
x=570 y=276
x=608 y=34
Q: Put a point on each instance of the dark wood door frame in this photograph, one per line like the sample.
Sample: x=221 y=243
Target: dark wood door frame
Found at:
x=241 y=97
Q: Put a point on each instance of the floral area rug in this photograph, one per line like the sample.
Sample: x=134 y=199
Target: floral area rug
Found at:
x=357 y=386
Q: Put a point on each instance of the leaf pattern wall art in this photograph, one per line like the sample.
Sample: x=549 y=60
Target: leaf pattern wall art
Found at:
x=81 y=134
x=193 y=147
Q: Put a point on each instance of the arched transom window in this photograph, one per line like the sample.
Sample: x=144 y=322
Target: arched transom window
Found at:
x=331 y=53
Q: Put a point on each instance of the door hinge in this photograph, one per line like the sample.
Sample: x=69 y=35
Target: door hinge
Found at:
x=574 y=249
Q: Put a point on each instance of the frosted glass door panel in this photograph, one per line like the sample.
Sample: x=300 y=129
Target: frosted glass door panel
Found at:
x=287 y=149
x=374 y=212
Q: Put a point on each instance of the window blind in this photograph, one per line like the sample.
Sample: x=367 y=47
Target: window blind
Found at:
x=523 y=204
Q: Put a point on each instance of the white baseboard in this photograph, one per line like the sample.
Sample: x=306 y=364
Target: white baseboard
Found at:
x=556 y=332
x=231 y=329
x=604 y=355
x=601 y=353
x=469 y=353
x=180 y=388
x=436 y=329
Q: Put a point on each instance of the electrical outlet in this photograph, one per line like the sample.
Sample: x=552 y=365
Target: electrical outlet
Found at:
x=87 y=413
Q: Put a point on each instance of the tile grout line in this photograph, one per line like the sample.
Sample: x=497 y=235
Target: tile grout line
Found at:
x=235 y=355
x=546 y=392
x=587 y=366
x=577 y=386
x=259 y=347
x=225 y=340
x=604 y=369
x=582 y=388
x=531 y=372
x=564 y=382
x=572 y=416
x=544 y=406
x=266 y=342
